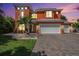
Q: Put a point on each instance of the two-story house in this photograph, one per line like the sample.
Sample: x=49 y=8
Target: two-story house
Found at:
x=47 y=20
x=44 y=20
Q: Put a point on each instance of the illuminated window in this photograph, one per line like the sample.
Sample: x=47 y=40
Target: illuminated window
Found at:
x=22 y=14
x=34 y=15
x=18 y=8
x=48 y=13
x=25 y=8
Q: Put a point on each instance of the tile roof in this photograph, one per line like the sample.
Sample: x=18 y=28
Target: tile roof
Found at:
x=48 y=9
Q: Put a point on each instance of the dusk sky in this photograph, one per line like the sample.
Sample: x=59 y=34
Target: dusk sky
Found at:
x=70 y=10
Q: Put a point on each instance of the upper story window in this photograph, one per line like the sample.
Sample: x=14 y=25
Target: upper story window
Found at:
x=34 y=15
x=48 y=13
x=22 y=14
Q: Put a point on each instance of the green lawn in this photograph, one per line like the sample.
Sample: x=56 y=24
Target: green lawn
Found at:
x=14 y=47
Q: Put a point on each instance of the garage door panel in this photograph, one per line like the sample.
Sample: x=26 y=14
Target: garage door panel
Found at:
x=50 y=30
x=49 y=25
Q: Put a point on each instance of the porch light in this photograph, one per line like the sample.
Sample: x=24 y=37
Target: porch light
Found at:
x=22 y=8
x=56 y=12
x=18 y=8
x=25 y=8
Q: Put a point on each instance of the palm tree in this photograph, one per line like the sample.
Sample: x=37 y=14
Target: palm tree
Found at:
x=27 y=21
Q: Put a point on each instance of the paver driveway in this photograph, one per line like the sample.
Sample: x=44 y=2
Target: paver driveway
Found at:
x=57 y=45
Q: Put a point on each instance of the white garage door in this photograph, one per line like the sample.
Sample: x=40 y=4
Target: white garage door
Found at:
x=50 y=29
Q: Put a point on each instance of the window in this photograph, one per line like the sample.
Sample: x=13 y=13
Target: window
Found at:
x=22 y=14
x=34 y=15
x=48 y=13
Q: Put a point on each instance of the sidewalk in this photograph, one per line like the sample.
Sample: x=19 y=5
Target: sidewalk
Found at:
x=22 y=36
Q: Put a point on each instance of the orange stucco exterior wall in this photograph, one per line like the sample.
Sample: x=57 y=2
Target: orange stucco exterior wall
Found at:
x=17 y=15
x=57 y=16
x=42 y=15
x=26 y=13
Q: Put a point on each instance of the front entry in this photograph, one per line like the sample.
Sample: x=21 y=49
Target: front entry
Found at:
x=49 y=28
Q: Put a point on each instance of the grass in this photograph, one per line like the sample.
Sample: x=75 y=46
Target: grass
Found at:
x=14 y=47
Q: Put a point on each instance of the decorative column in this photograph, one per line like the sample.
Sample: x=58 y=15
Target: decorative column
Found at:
x=70 y=28
x=62 y=28
x=38 y=29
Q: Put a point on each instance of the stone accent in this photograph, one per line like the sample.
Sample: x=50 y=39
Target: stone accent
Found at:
x=62 y=29
x=38 y=29
x=70 y=28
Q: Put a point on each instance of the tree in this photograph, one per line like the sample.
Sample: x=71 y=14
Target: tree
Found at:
x=2 y=26
x=78 y=20
x=76 y=26
x=1 y=16
x=63 y=18
x=6 y=23
x=9 y=23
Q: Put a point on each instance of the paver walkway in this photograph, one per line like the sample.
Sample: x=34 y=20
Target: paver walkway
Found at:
x=57 y=45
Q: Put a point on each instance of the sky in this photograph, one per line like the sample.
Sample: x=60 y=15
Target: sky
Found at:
x=70 y=10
